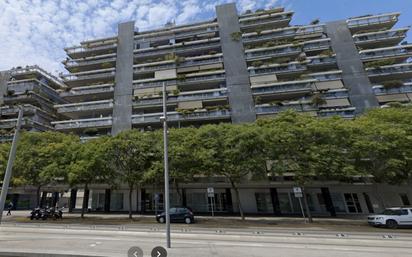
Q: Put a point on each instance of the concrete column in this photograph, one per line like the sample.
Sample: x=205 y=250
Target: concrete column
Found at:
x=275 y=201
x=353 y=72
x=107 y=197
x=123 y=90
x=328 y=201
x=241 y=102
x=4 y=78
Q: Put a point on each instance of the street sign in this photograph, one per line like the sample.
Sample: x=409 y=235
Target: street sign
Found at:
x=210 y=192
x=298 y=192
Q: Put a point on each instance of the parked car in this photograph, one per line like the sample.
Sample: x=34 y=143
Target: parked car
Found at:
x=392 y=218
x=177 y=214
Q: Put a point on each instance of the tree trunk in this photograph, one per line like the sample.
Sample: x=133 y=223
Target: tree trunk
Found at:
x=130 y=201
x=305 y=201
x=179 y=193
x=38 y=196
x=239 y=204
x=85 y=199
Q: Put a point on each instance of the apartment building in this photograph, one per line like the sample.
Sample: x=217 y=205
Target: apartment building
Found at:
x=236 y=68
x=35 y=90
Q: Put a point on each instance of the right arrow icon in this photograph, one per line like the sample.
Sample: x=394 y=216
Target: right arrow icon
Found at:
x=159 y=252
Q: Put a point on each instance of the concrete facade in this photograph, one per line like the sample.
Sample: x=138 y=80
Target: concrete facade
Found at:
x=123 y=90
x=353 y=72
x=237 y=77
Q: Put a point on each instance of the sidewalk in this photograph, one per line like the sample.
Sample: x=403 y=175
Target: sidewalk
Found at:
x=201 y=221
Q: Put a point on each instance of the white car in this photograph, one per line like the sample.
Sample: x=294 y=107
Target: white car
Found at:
x=392 y=218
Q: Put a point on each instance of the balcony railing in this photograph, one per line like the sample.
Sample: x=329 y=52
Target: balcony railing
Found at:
x=84 y=106
x=390 y=69
x=387 y=52
x=98 y=89
x=265 y=19
x=82 y=49
x=372 y=20
x=348 y=112
x=380 y=35
x=272 y=52
x=326 y=76
x=311 y=29
x=272 y=109
x=175 y=116
x=321 y=60
x=83 y=123
x=69 y=78
x=277 y=69
x=201 y=95
x=283 y=87
x=269 y=34
x=77 y=62
x=381 y=90
x=316 y=45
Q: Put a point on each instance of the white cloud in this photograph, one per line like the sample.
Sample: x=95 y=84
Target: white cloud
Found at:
x=36 y=31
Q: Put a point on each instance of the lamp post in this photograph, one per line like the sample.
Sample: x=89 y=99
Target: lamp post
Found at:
x=163 y=119
x=12 y=156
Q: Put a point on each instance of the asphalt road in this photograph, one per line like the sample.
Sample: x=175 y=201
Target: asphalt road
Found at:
x=202 y=242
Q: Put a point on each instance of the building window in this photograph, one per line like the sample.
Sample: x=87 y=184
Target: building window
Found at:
x=405 y=199
x=338 y=202
x=352 y=202
x=284 y=203
x=264 y=202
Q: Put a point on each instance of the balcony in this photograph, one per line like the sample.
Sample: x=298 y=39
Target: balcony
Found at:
x=267 y=109
x=84 y=51
x=268 y=52
x=389 y=72
x=373 y=22
x=28 y=72
x=380 y=38
x=254 y=37
x=89 y=77
x=197 y=115
x=310 y=31
x=85 y=107
x=326 y=75
x=322 y=62
x=284 y=88
x=347 y=113
x=400 y=53
x=316 y=46
x=89 y=92
x=382 y=90
x=278 y=69
x=27 y=123
x=104 y=122
x=90 y=64
x=183 y=49
x=203 y=95
x=265 y=20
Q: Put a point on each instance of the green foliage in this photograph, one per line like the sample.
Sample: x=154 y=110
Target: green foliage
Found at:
x=379 y=63
x=317 y=100
x=328 y=53
x=392 y=84
x=236 y=36
x=107 y=65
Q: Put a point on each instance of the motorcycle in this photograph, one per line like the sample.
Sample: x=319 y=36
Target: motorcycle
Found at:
x=36 y=214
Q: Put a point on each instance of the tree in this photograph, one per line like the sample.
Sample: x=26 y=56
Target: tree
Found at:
x=132 y=153
x=90 y=166
x=43 y=158
x=234 y=152
x=307 y=147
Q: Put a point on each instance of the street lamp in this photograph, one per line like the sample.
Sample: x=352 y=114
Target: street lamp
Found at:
x=163 y=119
x=12 y=156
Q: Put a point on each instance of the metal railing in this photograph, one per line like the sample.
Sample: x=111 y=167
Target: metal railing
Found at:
x=85 y=106
x=83 y=123
x=175 y=116
x=373 y=19
x=283 y=88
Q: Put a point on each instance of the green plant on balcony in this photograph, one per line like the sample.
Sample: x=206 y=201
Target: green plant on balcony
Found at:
x=301 y=58
x=180 y=59
x=236 y=36
x=379 y=63
x=10 y=92
x=106 y=65
x=176 y=92
x=317 y=100
x=181 y=77
x=315 y=22
x=275 y=103
x=258 y=100
x=212 y=52
x=392 y=84
x=260 y=10
x=66 y=89
x=211 y=108
x=327 y=52
x=90 y=131
x=257 y=63
x=75 y=70
x=395 y=104
x=170 y=57
x=26 y=92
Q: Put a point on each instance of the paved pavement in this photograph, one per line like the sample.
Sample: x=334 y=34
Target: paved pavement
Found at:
x=188 y=241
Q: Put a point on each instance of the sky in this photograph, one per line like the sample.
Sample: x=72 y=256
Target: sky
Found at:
x=36 y=31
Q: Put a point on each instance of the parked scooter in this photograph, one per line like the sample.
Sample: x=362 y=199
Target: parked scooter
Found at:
x=36 y=214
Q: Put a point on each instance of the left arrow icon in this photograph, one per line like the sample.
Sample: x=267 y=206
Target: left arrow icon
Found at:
x=135 y=252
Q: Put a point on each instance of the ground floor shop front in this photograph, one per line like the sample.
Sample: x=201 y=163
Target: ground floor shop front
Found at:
x=257 y=199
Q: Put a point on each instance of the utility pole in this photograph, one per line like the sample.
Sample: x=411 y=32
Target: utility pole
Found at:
x=12 y=156
x=166 y=166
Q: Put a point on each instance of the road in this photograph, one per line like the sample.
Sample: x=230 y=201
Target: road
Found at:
x=201 y=242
